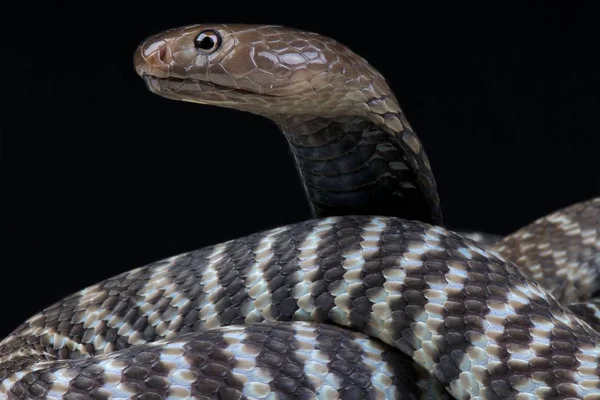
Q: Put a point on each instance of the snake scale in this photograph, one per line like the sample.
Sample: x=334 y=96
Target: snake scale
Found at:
x=373 y=298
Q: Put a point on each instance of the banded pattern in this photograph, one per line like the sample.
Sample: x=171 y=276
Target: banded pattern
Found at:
x=588 y=311
x=561 y=251
x=293 y=360
x=464 y=314
x=276 y=315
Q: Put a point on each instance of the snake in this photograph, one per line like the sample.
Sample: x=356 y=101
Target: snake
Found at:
x=373 y=297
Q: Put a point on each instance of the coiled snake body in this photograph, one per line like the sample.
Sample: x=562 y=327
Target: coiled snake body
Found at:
x=373 y=298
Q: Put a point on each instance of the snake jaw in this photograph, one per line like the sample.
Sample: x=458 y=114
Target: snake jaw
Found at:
x=196 y=91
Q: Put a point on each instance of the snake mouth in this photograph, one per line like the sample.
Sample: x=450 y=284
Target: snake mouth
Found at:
x=188 y=86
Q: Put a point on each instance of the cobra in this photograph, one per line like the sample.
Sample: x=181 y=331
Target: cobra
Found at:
x=372 y=298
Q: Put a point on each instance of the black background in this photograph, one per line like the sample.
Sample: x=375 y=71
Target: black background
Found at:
x=101 y=176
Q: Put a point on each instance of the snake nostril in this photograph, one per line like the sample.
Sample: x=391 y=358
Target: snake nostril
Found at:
x=163 y=54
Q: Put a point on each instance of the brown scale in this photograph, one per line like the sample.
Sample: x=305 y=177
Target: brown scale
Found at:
x=85 y=382
x=232 y=270
x=343 y=161
x=212 y=366
x=278 y=271
x=372 y=281
x=578 y=256
x=316 y=87
x=346 y=363
x=115 y=295
x=589 y=312
x=487 y=279
x=88 y=380
x=345 y=237
x=185 y=273
x=406 y=307
x=356 y=154
x=210 y=362
x=280 y=359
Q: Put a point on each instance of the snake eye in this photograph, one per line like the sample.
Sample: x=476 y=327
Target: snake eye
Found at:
x=207 y=41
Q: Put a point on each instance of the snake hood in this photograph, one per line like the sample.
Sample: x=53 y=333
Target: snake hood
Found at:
x=354 y=148
x=262 y=69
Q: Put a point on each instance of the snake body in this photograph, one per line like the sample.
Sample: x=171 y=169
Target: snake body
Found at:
x=372 y=298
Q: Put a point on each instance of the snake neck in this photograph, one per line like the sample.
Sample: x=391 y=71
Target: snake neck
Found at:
x=351 y=165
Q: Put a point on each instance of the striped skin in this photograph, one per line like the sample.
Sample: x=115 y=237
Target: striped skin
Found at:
x=589 y=311
x=217 y=322
x=292 y=360
x=560 y=250
x=463 y=313
x=355 y=151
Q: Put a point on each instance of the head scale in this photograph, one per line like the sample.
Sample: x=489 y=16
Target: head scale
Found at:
x=262 y=69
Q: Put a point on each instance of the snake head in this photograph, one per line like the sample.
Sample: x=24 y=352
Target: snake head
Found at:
x=262 y=69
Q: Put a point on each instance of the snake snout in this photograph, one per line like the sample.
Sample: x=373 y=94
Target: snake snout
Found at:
x=153 y=57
